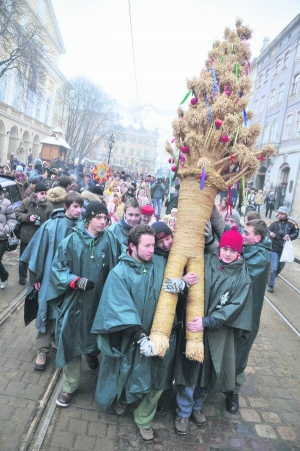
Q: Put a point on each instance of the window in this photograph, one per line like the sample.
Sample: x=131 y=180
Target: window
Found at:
x=267 y=76
x=266 y=134
x=298 y=51
x=297 y=129
x=285 y=60
x=295 y=85
x=256 y=107
x=123 y=151
x=145 y=153
x=259 y=81
x=38 y=107
x=131 y=152
x=16 y=94
x=47 y=111
x=262 y=104
x=138 y=152
x=280 y=92
x=277 y=65
x=29 y=103
x=273 y=132
x=272 y=98
x=3 y=80
x=288 y=127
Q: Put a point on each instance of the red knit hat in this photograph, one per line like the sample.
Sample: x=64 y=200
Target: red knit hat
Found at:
x=147 y=210
x=232 y=238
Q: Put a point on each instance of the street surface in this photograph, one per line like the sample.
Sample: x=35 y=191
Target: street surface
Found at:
x=268 y=420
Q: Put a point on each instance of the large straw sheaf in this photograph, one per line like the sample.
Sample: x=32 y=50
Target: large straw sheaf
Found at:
x=221 y=93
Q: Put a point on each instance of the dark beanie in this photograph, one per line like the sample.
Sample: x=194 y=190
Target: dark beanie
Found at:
x=177 y=187
x=38 y=166
x=161 y=230
x=94 y=208
x=97 y=190
x=40 y=186
x=233 y=239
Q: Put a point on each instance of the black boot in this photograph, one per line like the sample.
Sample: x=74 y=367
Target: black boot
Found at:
x=232 y=402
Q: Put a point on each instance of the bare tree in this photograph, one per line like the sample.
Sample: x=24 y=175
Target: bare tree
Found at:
x=90 y=116
x=22 y=45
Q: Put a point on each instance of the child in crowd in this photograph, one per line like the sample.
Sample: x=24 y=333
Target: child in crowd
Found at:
x=228 y=307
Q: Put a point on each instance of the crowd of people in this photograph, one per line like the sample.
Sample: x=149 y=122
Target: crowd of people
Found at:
x=95 y=255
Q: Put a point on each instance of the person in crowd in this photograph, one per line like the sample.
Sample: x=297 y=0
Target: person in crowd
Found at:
x=270 y=204
x=157 y=194
x=129 y=194
x=79 y=270
x=233 y=219
x=21 y=180
x=147 y=215
x=113 y=205
x=38 y=256
x=250 y=215
x=251 y=197
x=7 y=225
x=222 y=207
x=257 y=255
x=259 y=200
x=227 y=308
x=281 y=230
x=122 y=325
x=36 y=172
x=131 y=217
x=29 y=159
x=87 y=183
x=141 y=197
x=173 y=202
x=31 y=214
x=30 y=189
x=56 y=195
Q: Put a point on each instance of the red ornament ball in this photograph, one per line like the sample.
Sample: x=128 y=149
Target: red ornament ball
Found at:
x=185 y=149
x=182 y=158
x=218 y=123
x=224 y=139
x=194 y=101
x=174 y=168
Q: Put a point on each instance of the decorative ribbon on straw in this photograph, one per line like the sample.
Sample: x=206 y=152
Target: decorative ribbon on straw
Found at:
x=222 y=57
x=236 y=72
x=208 y=109
x=208 y=134
x=245 y=117
x=215 y=80
x=229 y=203
x=186 y=97
x=202 y=181
x=173 y=140
x=236 y=135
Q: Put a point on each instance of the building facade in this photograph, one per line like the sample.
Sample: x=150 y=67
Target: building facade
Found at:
x=275 y=103
x=26 y=118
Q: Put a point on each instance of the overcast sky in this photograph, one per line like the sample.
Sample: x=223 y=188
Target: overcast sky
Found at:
x=171 y=41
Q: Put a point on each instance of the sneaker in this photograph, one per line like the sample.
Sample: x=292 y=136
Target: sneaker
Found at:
x=181 y=425
x=120 y=409
x=199 y=418
x=3 y=284
x=146 y=434
x=64 y=399
x=232 y=402
x=22 y=281
x=41 y=361
x=92 y=361
x=270 y=289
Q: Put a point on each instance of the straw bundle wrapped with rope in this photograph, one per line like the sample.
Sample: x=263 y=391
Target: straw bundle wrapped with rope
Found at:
x=215 y=150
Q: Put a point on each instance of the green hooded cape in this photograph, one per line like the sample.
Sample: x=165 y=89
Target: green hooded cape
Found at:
x=233 y=312
x=39 y=255
x=129 y=298
x=257 y=257
x=79 y=255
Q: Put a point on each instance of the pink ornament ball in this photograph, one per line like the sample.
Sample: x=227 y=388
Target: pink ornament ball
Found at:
x=174 y=168
x=185 y=149
x=182 y=158
x=224 y=139
x=218 y=123
x=194 y=101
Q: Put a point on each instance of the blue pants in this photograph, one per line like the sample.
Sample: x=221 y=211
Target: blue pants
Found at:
x=189 y=399
x=157 y=202
x=276 y=267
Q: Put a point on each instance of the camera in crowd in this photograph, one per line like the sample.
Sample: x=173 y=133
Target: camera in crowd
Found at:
x=37 y=221
x=281 y=234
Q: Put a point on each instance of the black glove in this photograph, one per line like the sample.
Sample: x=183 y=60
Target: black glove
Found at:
x=84 y=284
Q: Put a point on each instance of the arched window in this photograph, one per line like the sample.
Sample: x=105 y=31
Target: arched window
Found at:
x=287 y=127
x=295 y=84
x=297 y=128
x=47 y=111
x=272 y=98
x=266 y=134
x=280 y=92
x=285 y=59
x=273 y=132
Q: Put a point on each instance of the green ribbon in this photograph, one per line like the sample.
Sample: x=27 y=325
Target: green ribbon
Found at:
x=222 y=57
x=236 y=73
x=185 y=98
x=178 y=162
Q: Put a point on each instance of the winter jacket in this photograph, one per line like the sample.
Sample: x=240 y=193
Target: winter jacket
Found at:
x=173 y=203
x=7 y=217
x=281 y=228
x=29 y=206
x=259 y=199
x=22 y=182
x=157 y=191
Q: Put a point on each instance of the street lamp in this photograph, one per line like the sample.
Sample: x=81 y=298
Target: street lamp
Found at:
x=110 y=145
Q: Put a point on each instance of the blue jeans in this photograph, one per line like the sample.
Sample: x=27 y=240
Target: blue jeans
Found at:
x=276 y=267
x=189 y=399
x=157 y=202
